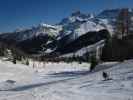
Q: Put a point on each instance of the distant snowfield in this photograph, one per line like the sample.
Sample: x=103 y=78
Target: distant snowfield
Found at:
x=61 y=81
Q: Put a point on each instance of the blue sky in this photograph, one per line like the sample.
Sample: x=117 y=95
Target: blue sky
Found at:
x=26 y=13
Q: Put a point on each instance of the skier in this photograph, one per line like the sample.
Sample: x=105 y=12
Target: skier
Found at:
x=105 y=76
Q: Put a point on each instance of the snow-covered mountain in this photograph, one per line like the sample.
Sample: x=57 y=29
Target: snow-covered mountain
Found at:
x=76 y=16
x=78 y=24
x=40 y=30
x=109 y=14
x=67 y=30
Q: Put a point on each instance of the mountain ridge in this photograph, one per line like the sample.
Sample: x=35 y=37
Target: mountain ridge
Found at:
x=67 y=31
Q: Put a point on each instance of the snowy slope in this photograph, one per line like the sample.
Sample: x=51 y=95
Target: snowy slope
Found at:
x=66 y=83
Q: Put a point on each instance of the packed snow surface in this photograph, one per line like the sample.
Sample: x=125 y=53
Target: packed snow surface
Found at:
x=62 y=81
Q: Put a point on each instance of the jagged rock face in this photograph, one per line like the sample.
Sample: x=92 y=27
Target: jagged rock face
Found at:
x=78 y=24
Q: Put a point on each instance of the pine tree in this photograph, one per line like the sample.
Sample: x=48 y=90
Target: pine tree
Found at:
x=27 y=62
x=14 y=60
x=93 y=62
x=2 y=49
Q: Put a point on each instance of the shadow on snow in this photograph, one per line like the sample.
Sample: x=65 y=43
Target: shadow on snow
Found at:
x=30 y=86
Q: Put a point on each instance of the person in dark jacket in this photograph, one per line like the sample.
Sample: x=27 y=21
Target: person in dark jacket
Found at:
x=105 y=76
